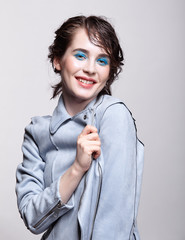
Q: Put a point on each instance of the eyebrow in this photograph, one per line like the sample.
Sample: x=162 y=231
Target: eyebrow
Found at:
x=87 y=52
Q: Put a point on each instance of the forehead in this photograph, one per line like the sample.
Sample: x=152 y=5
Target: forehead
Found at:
x=81 y=40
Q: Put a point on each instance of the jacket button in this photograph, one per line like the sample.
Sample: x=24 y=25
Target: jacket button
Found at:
x=85 y=117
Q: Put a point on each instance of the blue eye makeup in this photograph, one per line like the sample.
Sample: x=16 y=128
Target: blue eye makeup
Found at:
x=80 y=55
x=103 y=61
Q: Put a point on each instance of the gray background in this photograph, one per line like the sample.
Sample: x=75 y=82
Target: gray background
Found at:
x=152 y=34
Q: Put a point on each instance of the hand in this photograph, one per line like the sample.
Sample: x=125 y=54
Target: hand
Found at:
x=88 y=146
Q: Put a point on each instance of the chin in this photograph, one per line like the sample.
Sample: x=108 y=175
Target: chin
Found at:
x=86 y=97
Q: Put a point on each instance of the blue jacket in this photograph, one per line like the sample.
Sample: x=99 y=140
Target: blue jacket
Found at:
x=104 y=206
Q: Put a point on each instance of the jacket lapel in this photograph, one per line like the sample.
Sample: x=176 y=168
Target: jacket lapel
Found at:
x=60 y=115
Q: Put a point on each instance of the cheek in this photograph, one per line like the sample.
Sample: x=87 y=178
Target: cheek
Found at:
x=105 y=74
x=71 y=65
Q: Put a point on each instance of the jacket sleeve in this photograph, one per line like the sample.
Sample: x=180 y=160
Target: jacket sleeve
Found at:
x=39 y=206
x=116 y=209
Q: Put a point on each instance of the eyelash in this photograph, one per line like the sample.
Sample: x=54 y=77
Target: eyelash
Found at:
x=103 y=61
x=80 y=56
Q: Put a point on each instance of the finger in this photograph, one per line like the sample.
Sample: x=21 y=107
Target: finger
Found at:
x=96 y=154
x=88 y=141
x=92 y=137
x=89 y=129
x=90 y=148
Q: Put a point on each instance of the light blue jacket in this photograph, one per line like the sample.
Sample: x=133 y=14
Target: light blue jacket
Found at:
x=104 y=206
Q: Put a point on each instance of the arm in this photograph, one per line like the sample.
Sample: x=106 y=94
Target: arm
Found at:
x=88 y=143
x=39 y=206
x=115 y=213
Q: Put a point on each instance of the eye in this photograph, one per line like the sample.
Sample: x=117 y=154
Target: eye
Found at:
x=80 y=55
x=103 y=61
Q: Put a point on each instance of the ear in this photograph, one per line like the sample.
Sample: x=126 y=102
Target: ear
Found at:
x=57 y=64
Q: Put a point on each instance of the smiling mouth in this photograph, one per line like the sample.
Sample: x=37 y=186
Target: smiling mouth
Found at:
x=85 y=81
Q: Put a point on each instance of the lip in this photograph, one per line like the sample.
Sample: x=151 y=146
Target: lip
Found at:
x=86 y=78
x=85 y=85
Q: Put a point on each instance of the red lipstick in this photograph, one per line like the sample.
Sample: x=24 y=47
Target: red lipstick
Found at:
x=85 y=82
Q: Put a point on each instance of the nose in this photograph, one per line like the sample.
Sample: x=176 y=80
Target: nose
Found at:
x=90 y=67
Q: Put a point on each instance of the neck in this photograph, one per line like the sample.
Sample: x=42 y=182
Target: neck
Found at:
x=74 y=105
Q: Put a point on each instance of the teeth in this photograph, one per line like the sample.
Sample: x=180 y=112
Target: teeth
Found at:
x=85 y=81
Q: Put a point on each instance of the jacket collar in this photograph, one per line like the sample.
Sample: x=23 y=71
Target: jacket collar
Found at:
x=60 y=114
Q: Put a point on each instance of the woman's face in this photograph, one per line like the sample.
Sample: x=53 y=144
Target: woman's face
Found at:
x=84 y=68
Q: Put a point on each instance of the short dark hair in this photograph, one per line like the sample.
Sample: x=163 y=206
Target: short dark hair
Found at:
x=101 y=33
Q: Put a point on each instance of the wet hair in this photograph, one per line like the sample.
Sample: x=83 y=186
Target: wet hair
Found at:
x=100 y=33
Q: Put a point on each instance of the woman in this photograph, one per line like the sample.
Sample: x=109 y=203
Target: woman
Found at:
x=81 y=173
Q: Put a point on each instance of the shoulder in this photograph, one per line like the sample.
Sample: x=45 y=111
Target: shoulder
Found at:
x=116 y=124
x=37 y=133
x=113 y=116
x=40 y=119
x=38 y=126
x=114 y=110
x=106 y=101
